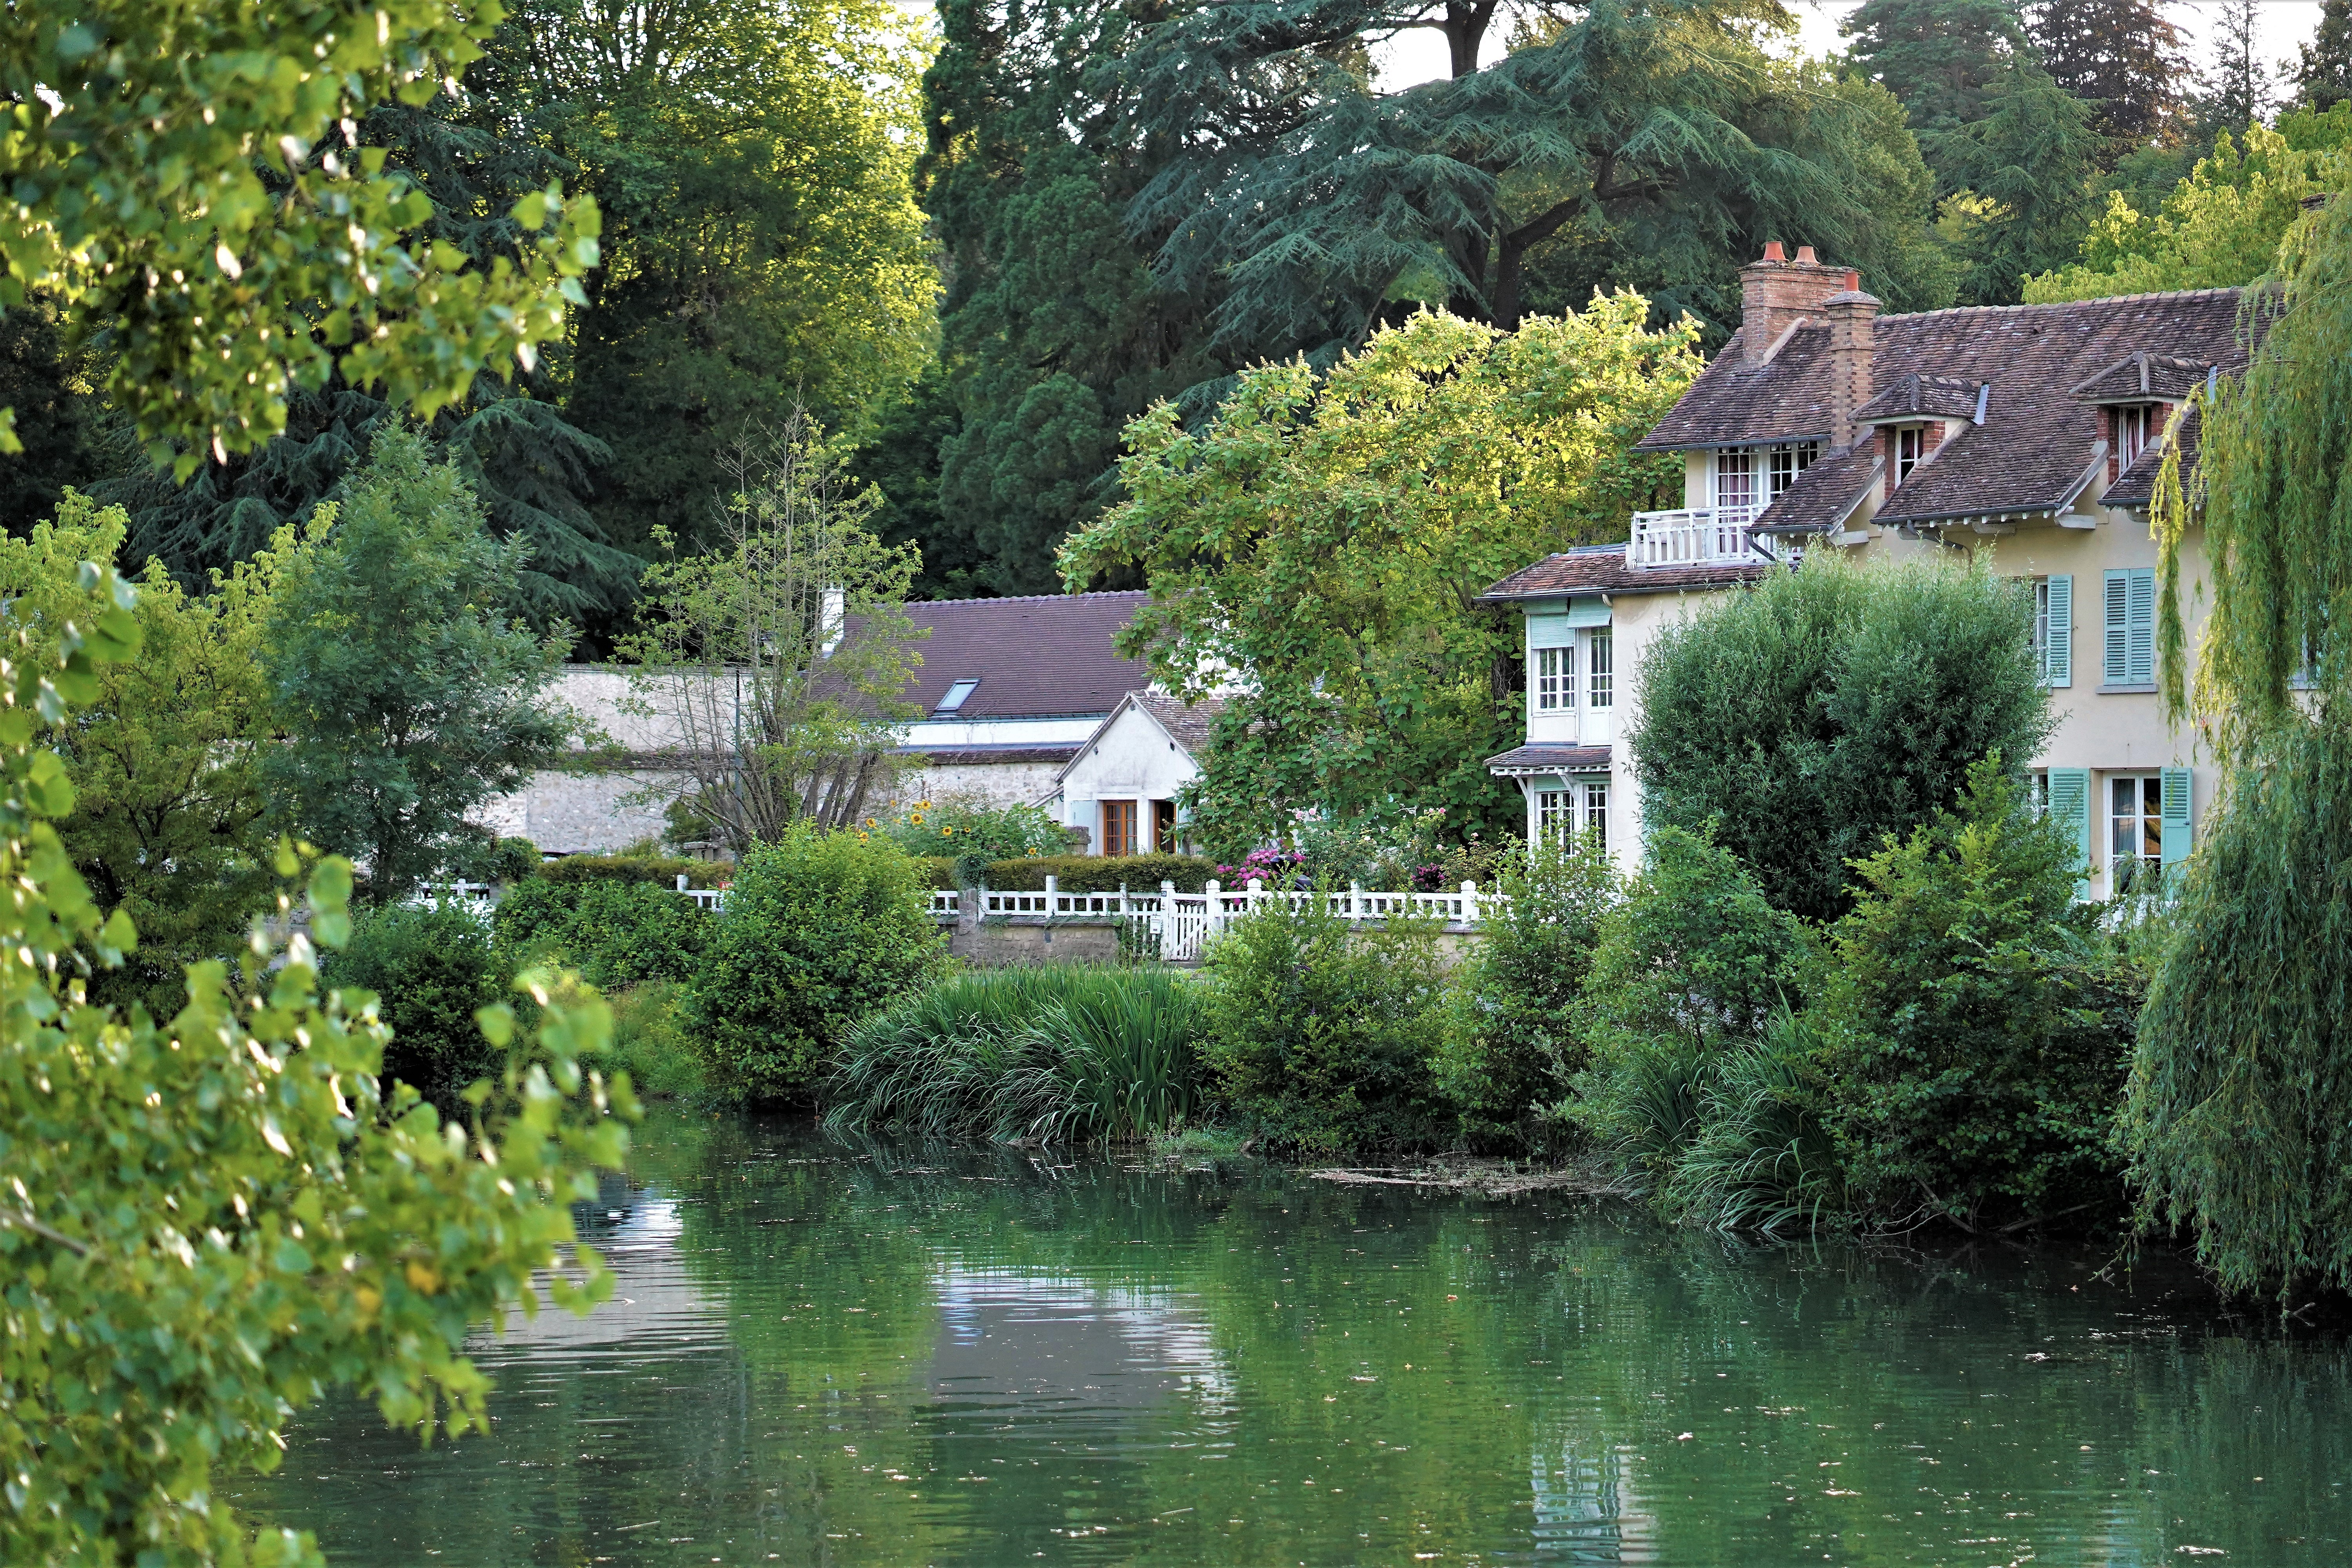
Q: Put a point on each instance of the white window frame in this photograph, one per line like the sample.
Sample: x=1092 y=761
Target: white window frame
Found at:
x=1758 y=475
x=1910 y=450
x=1599 y=667
x=1552 y=689
x=2147 y=822
x=1581 y=806
x=2136 y=427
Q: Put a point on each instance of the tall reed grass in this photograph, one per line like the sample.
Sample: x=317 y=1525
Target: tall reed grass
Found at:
x=1056 y=1054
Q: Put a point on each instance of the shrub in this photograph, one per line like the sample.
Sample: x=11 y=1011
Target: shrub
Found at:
x=821 y=930
x=1755 y=1147
x=1508 y=1043
x=661 y=870
x=650 y=1043
x=1694 y=962
x=1981 y=1023
x=1056 y=1053
x=1813 y=715
x=2238 y=1117
x=1320 y=1036
x=431 y=966
x=511 y=860
x=974 y=832
x=617 y=932
x=1102 y=873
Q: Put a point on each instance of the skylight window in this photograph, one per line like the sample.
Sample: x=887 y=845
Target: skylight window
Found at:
x=956 y=695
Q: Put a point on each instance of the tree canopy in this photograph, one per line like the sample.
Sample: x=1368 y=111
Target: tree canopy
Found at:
x=2221 y=226
x=188 y=180
x=2121 y=57
x=1313 y=553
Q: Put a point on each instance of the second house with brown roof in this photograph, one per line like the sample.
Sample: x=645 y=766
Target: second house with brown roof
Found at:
x=2031 y=432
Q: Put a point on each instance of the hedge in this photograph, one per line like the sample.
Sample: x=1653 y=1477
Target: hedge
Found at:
x=661 y=870
x=1102 y=873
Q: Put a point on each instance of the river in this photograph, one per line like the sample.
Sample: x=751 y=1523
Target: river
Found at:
x=825 y=1354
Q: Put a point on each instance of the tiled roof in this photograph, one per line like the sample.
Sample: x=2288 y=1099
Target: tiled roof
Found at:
x=1044 y=658
x=2039 y=434
x=2143 y=377
x=972 y=756
x=1825 y=495
x=1601 y=568
x=1193 y=725
x=1551 y=760
x=1941 y=397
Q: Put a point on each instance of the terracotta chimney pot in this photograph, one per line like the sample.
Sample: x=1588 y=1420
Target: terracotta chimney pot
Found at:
x=1853 y=281
x=1772 y=251
x=1805 y=257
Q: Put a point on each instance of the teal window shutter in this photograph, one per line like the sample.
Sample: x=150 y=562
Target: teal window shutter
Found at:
x=2179 y=824
x=2131 y=627
x=2117 y=628
x=2058 y=650
x=2139 y=610
x=1551 y=631
x=2069 y=807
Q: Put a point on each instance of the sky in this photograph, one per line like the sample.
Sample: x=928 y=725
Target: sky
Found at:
x=1420 y=55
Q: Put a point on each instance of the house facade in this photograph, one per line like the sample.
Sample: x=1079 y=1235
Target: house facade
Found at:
x=1120 y=789
x=2031 y=434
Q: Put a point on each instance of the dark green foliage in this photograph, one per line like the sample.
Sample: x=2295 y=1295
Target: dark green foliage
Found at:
x=1102 y=873
x=1662 y=136
x=431 y=967
x=2123 y=58
x=615 y=933
x=1056 y=1054
x=900 y=458
x=1510 y=1037
x=1937 y=56
x=1690 y=965
x=50 y=387
x=650 y=1043
x=2323 y=74
x=2238 y=82
x=819 y=930
x=510 y=860
x=660 y=870
x=1824 y=709
x=2024 y=168
x=1757 y=1152
x=1055 y=333
x=2239 y=1115
x=1320 y=1034
x=407 y=697
x=1980 y=1024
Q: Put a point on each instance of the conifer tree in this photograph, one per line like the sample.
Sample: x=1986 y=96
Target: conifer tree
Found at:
x=2323 y=76
x=2241 y=84
x=2120 y=55
x=1937 y=56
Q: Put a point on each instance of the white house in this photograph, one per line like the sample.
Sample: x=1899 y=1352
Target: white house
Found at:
x=1121 y=787
x=2028 y=431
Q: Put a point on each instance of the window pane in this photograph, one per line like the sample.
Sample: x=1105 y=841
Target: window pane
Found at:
x=1600 y=663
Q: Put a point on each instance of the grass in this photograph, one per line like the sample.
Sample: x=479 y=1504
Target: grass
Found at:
x=649 y=1042
x=1056 y=1054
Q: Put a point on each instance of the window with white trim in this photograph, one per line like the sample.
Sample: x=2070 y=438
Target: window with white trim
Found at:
x=1555 y=681
x=1600 y=668
x=1735 y=479
x=1753 y=477
x=2135 y=825
x=1910 y=448
x=2136 y=425
x=1582 y=807
x=1783 y=464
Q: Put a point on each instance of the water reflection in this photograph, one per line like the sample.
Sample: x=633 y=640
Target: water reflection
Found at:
x=826 y=1355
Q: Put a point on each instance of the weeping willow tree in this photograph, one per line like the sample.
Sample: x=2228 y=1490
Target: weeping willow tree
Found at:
x=2239 y=1112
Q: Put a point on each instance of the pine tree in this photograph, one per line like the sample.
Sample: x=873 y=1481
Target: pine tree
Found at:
x=2121 y=57
x=2323 y=76
x=2024 y=172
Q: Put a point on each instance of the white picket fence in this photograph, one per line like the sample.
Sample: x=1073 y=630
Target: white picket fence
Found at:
x=1182 y=923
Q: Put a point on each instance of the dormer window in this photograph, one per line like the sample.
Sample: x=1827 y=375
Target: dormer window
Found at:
x=1910 y=449
x=2136 y=425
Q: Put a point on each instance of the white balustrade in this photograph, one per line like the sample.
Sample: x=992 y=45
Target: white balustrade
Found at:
x=1700 y=536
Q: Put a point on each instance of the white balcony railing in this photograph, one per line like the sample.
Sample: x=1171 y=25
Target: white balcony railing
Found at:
x=1697 y=537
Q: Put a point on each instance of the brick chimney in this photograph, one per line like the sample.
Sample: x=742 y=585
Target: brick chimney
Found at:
x=1852 y=317
x=1776 y=292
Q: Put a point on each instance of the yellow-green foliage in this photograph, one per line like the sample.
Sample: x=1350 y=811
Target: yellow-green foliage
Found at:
x=2221 y=226
x=1328 y=533
x=209 y=1221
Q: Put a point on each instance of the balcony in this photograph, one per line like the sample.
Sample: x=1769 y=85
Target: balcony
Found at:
x=1699 y=537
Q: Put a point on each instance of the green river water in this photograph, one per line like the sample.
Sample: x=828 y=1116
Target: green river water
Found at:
x=829 y=1354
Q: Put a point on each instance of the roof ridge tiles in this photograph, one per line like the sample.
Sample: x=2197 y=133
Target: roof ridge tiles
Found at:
x=2069 y=304
x=1036 y=598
